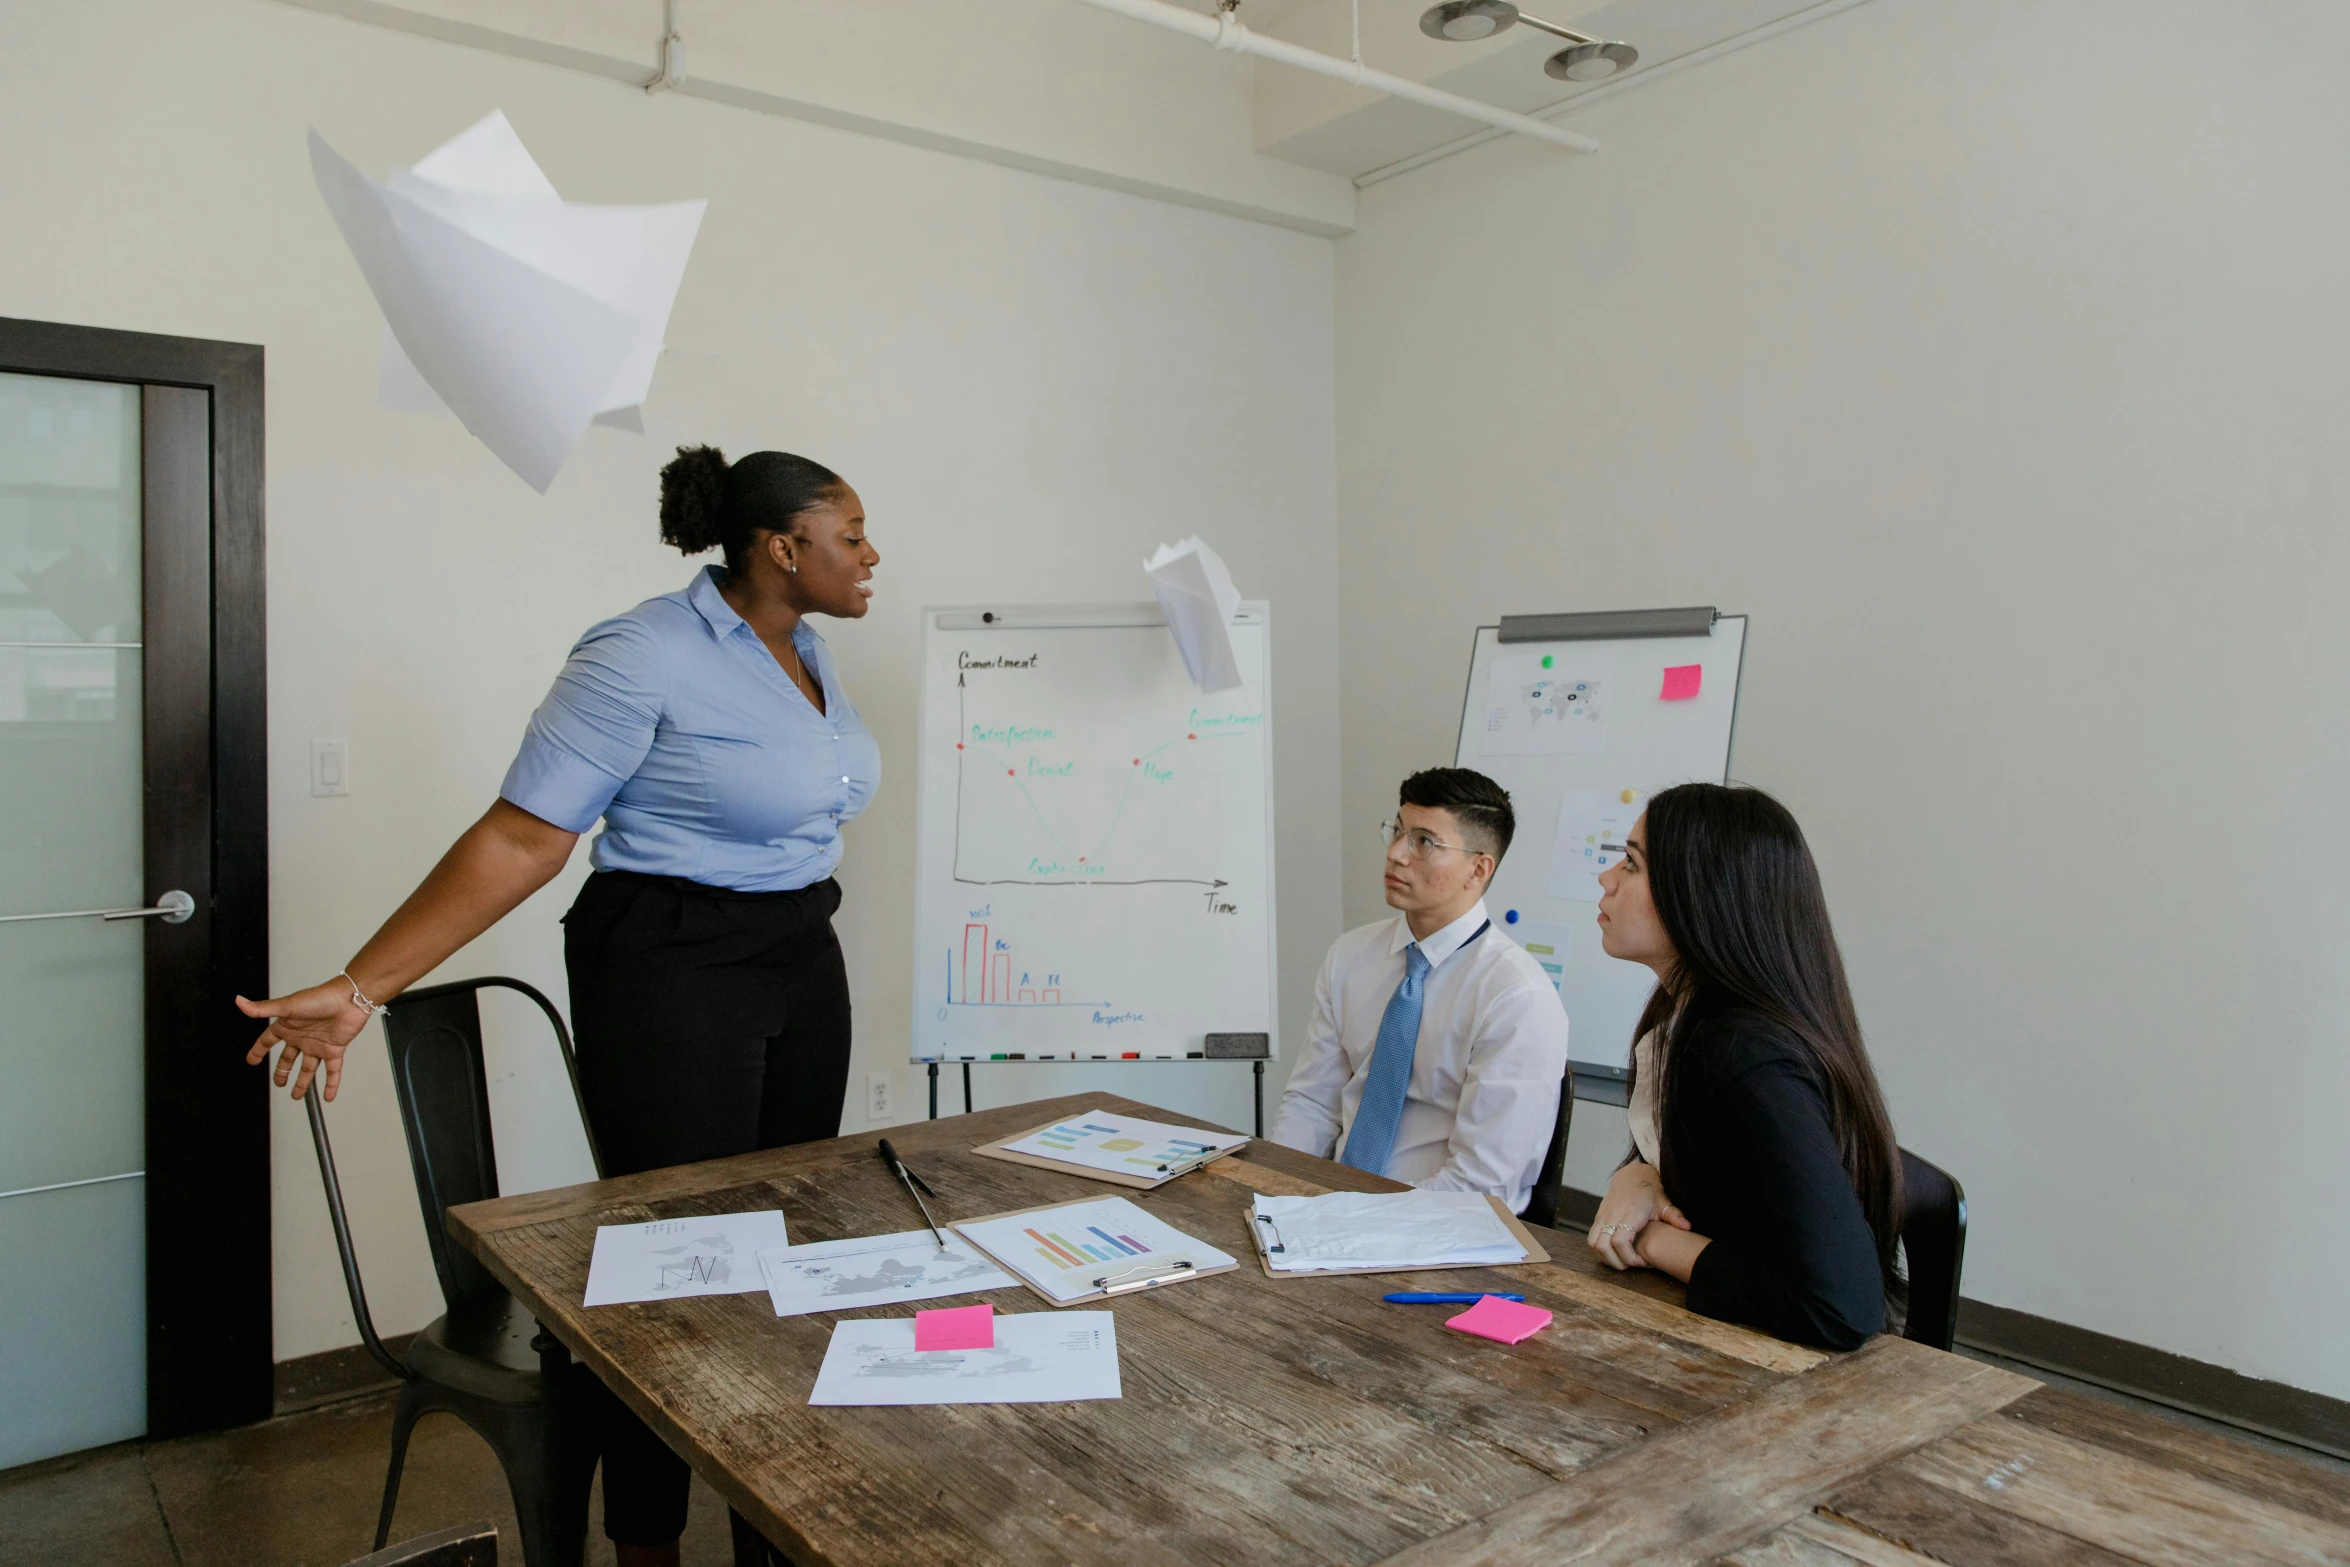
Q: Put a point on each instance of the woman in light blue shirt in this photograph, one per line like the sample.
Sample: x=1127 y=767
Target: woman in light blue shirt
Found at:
x=707 y=728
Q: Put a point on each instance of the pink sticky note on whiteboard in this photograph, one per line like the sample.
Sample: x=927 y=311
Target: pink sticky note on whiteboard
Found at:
x=1681 y=682
x=957 y=1327
x=1506 y=1321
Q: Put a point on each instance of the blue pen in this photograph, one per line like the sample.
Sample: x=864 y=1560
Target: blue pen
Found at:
x=1418 y=1298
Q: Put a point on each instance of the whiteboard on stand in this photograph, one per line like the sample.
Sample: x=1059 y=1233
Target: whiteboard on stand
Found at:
x=1581 y=723
x=1094 y=854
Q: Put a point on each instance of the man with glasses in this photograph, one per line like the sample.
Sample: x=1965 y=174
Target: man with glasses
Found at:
x=1438 y=1046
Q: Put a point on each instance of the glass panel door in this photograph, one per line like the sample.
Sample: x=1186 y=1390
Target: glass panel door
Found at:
x=73 y=1321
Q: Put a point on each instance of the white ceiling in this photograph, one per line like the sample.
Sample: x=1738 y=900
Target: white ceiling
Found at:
x=1327 y=125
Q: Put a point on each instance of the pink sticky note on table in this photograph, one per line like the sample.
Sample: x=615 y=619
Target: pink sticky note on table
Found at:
x=1505 y=1321
x=959 y=1327
x=1681 y=682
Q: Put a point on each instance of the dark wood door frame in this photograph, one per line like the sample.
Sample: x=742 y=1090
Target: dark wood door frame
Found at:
x=209 y=1328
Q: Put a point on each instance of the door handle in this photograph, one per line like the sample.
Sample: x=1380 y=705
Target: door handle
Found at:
x=173 y=908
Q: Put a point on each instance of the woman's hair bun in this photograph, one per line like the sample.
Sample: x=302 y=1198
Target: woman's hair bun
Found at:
x=693 y=499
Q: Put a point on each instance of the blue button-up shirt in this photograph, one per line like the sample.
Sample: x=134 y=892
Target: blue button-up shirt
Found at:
x=675 y=724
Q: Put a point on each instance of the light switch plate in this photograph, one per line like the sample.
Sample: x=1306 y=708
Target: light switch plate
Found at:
x=330 y=767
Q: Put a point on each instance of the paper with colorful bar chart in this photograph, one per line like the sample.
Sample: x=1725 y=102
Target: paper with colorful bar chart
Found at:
x=1119 y=1148
x=1076 y=1251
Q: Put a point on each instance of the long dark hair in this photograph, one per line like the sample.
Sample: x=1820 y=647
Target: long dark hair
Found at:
x=1738 y=894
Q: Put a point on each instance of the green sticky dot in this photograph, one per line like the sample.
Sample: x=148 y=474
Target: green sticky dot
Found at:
x=1547 y=661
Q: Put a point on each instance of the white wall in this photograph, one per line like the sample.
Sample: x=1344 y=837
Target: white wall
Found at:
x=1030 y=382
x=1992 y=357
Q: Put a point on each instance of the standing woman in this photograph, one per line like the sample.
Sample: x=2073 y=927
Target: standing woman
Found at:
x=1765 y=1175
x=709 y=730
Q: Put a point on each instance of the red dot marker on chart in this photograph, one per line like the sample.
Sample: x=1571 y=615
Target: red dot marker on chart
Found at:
x=958 y=745
x=1191 y=737
x=1008 y=773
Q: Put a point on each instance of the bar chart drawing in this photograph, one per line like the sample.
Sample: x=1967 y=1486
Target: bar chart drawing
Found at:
x=1062 y=1252
x=984 y=975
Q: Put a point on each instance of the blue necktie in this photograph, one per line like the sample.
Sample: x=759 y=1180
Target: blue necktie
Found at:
x=1372 y=1137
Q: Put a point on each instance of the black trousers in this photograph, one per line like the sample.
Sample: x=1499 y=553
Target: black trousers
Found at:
x=708 y=1023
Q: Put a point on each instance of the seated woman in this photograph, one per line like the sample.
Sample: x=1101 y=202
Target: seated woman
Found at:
x=1765 y=1175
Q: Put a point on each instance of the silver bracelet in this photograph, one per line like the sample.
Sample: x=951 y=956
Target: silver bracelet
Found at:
x=359 y=997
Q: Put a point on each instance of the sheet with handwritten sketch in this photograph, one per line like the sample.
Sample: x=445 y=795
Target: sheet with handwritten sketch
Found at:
x=674 y=1259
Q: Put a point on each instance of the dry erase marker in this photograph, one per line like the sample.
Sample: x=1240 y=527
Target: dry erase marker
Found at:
x=1421 y=1298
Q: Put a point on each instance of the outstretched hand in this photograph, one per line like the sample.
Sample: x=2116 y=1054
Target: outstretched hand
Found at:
x=313 y=1027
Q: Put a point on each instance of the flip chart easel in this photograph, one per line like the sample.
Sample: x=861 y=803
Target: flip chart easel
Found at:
x=1581 y=718
x=1094 y=844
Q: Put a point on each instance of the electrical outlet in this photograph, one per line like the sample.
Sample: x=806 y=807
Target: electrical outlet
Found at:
x=330 y=767
x=880 y=1097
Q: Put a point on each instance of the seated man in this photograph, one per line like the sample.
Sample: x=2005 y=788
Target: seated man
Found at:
x=1438 y=1046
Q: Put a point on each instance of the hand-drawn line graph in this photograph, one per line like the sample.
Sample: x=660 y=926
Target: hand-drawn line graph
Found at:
x=1085 y=862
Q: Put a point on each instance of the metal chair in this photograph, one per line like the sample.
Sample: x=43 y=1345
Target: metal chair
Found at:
x=467 y=1545
x=485 y=1361
x=1933 y=1237
x=1543 y=1206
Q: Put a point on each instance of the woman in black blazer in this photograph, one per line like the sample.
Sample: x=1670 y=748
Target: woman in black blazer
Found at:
x=1765 y=1174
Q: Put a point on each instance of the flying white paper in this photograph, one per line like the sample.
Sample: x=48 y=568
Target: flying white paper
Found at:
x=1197 y=596
x=525 y=315
x=669 y=1259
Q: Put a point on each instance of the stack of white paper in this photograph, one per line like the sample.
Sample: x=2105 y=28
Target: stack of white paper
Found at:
x=524 y=314
x=1383 y=1230
x=1197 y=596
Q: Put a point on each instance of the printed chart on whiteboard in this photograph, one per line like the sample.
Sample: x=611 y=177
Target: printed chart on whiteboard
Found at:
x=1095 y=844
x=1582 y=730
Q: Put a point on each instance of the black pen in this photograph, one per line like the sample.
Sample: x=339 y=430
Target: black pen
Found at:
x=915 y=1187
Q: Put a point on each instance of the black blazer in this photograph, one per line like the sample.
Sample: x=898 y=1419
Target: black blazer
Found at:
x=1750 y=1157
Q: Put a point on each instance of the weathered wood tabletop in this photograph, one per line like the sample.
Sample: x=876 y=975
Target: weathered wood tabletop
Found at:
x=1305 y=1421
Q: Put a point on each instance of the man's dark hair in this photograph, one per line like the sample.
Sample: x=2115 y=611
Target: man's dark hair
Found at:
x=1480 y=805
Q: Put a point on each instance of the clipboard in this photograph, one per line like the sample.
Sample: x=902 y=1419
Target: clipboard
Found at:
x=1113 y=1276
x=1524 y=1237
x=1145 y=1183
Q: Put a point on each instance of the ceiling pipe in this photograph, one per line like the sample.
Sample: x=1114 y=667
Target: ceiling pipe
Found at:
x=1225 y=32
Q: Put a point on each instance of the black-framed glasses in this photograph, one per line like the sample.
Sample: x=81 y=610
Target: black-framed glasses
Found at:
x=1422 y=842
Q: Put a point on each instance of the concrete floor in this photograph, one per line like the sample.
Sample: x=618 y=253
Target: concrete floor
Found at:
x=298 y=1491
x=301 y=1491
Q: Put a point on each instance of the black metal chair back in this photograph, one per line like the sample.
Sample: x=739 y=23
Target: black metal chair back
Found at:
x=1543 y=1206
x=441 y=1077
x=1933 y=1237
x=482 y=1361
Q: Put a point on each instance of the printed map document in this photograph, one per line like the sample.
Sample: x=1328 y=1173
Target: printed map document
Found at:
x=843 y=1275
x=1124 y=1145
x=667 y=1259
x=1040 y=1357
x=1383 y=1230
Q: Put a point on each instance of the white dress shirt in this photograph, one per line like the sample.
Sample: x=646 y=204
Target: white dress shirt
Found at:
x=1484 y=1092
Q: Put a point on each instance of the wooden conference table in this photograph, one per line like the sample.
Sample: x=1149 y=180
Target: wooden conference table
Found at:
x=1306 y=1421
